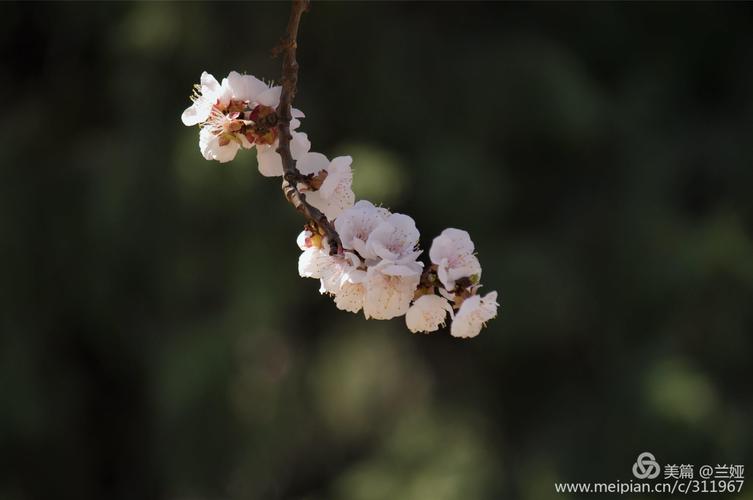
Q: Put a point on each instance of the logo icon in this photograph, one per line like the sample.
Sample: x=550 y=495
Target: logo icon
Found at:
x=646 y=466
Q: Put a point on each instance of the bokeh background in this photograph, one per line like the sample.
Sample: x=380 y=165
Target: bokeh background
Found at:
x=157 y=342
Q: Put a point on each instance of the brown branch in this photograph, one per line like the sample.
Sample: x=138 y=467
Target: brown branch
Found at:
x=291 y=176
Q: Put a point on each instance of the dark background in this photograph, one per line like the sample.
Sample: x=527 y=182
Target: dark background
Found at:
x=157 y=342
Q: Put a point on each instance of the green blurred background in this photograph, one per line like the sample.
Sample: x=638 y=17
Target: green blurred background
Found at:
x=157 y=342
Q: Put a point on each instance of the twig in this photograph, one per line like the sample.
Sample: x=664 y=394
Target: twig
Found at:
x=291 y=175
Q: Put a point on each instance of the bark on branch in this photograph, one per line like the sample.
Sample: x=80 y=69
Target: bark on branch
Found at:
x=291 y=176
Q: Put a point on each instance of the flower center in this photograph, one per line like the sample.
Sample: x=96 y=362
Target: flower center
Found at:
x=257 y=124
x=263 y=127
x=224 y=123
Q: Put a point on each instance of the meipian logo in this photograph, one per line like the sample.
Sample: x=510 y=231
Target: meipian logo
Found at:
x=646 y=466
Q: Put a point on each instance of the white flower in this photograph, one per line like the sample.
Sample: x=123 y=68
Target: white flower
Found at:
x=315 y=258
x=387 y=243
x=452 y=252
x=335 y=193
x=241 y=113
x=394 y=239
x=389 y=289
x=427 y=313
x=355 y=224
x=473 y=315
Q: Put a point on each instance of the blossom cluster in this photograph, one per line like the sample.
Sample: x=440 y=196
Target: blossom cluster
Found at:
x=376 y=269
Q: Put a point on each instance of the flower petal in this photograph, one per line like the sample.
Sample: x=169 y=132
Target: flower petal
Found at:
x=245 y=87
x=312 y=163
x=270 y=97
x=270 y=162
x=300 y=144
